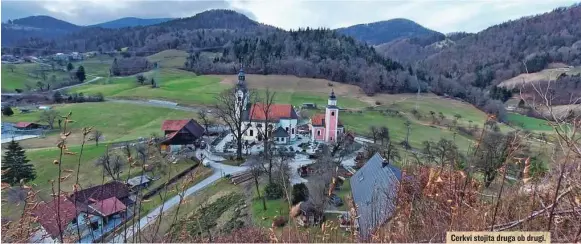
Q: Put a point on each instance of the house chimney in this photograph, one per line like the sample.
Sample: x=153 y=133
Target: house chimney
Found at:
x=384 y=163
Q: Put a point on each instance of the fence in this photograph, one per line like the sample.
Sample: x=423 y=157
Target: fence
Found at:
x=169 y=182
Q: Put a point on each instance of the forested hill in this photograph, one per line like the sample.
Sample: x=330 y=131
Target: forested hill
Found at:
x=385 y=31
x=34 y=26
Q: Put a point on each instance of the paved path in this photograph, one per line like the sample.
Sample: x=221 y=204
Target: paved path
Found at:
x=155 y=104
x=80 y=84
x=219 y=171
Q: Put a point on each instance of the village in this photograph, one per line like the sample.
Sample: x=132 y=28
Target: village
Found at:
x=324 y=165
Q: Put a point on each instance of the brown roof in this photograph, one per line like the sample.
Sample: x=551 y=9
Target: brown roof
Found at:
x=275 y=113
x=47 y=215
x=319 y=120
x=109 y=206
x=98 y=193
x=191 y=125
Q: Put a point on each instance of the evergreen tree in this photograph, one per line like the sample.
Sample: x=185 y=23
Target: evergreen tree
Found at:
x=7 y=111
x=16 y=165
x=81 y=73
x=70 y=67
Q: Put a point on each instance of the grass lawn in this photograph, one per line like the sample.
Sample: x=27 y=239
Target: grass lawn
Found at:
x=528 y=123
x=360 y=123
x=169 y=58
x=27 y=74
x=274 y=208
x=344 y=194
x=187 y=88
x=117 y=121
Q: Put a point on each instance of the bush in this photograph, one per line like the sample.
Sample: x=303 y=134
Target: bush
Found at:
x=7 y=111
x=279 y=221
x=273 y=191
x=377 y=103
x=300 y=193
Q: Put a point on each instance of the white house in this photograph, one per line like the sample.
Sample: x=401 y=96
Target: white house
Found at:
x=281 y=118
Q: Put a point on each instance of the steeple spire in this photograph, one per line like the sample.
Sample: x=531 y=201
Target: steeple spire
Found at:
x=332 y=96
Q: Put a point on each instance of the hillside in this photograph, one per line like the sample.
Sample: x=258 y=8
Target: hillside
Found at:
x=35 y=27
x=130 y=22
x=385 y=31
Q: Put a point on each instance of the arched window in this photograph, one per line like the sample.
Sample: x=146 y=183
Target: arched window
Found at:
x=333 y=113
x=293 y=131
x=318 y=132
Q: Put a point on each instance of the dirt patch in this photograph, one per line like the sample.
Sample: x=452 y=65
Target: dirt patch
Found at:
x=217 y=196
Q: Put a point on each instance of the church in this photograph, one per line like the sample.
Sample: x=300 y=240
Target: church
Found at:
x=282 y=118
x=327 y=127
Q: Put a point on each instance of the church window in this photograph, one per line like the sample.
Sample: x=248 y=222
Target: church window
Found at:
x=333 y=113
x=251 y=133
x=318 y=133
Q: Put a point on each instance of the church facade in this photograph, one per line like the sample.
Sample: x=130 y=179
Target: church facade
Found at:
x=327 y=127
x=281 y=118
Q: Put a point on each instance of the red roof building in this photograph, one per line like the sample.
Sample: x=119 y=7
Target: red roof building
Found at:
x=181 y=132
x=327 y=127
x=108 y=206
x=47 y=215
x=27 y=125
x=276 y=112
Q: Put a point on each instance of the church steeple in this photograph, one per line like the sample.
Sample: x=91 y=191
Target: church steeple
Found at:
x=241 y=85
x=332 y=99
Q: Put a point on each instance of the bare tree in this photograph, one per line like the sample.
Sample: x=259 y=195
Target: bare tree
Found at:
x=230 y=109
x=256 y=169
x=384 y=134
x=206 y=119
x=374 y=133
x=49 y=116
x=111 y=164
x=97 y=134
x=265 y=127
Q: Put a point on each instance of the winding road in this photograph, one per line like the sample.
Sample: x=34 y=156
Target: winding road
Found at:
x=219 y=171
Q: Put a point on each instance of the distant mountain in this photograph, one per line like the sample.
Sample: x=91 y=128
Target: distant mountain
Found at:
x=130 y=22
x=385 y=31
x=46 y=22
x=35 y=27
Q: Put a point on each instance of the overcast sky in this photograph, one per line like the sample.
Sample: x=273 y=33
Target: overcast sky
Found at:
x=440 y=15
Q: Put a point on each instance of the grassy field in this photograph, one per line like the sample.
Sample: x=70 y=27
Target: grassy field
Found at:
x=117 y=121
x=89 y=173
x=546 y=74
x=360 y=123
x=169 y=58
x=27 y=73
x=528 y=123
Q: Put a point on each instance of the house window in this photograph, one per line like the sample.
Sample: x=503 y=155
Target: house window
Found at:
x=94 y=225
x=332 y=113
x=293 y=131
x=251 y=133
x=239 y=99
x=318 y=133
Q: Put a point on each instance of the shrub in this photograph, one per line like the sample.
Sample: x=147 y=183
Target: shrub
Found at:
x=273 y=191
x=7 y=111
x=377 y=103
x=330 y=84
x=300 y=193
x=279 y=221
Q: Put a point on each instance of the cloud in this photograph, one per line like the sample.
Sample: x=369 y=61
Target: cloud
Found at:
x=440 y=15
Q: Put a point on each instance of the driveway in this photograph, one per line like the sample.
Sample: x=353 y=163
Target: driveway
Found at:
x=219 y=170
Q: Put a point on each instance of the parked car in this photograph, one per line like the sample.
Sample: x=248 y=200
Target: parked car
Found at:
x=335 y=200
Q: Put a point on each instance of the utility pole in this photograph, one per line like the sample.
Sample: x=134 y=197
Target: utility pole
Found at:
x=418 y=95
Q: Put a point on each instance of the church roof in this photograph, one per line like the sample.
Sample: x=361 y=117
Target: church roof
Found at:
x=275 y=113
x=319 y=120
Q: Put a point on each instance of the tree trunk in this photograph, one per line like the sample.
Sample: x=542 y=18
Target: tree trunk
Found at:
x=258 y=191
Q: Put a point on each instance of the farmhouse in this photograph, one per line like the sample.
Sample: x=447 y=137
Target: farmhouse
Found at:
x=327 y=127
x=180 y=134
x=27 y=125
x=95 y=210
x=374 y=188
x=281 y=118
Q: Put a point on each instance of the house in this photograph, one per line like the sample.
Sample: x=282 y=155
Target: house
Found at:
x=91 y=212
x=76 y=56
x=46 y=214
x=180 y=134
x=61 y=56
x=139 y=182
x=309 y=106
x=27 y=125
x=306 y=214
x=374 y=189
x=282 y=118
x=327 y=127
x=44 y=107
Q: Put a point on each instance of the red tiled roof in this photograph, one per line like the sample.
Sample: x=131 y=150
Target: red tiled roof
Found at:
x=47 y=216
x=277 y=112
x=109 y=206
x=174 y=125
x=23 y=124
x=319 y=120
